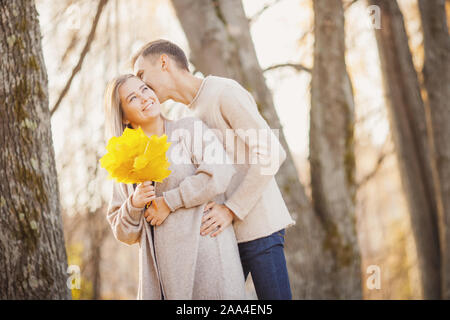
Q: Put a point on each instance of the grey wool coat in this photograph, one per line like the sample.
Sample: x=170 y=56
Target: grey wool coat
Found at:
x=183 y=264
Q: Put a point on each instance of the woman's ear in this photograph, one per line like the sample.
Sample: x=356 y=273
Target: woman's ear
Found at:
x=126 y=122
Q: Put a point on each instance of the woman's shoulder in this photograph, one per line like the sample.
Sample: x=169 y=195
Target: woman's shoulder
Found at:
x=192 y=129
x=189 y=123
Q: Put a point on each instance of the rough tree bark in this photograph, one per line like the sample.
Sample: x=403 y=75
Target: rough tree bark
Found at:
x=332 y=155
x=408 y=126
x=221 y=44
x=436 y=73
x=32 y=253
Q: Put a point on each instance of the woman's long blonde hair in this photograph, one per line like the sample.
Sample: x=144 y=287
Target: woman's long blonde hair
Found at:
x=114 y=125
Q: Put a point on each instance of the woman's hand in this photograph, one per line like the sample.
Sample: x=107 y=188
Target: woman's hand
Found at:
x=143 y=194
x=157 y=215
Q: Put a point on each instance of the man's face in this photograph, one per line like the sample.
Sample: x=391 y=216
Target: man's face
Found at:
x=149 y=70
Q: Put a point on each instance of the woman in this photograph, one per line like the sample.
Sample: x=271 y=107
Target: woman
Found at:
x=175 y=261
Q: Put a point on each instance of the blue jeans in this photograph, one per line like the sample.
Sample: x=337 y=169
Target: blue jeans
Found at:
x=264 y=258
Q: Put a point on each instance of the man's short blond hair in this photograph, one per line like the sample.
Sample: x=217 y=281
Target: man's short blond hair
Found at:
x=159 y=47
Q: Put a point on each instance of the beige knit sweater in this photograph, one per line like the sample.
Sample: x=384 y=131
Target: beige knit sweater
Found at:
x=187 y=265
x=253 y=194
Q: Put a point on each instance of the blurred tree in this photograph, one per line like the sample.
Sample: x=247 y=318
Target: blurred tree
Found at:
x=436 y=73
x=332 y=155
x=32 y=251
x=221 y=44
x=408 y=125
x=87 y=46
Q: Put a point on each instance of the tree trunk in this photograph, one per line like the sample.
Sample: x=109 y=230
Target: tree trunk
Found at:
x=32 y=253
x=436 y=74
x=408 y=126
x=220 y=43
x=332 y=155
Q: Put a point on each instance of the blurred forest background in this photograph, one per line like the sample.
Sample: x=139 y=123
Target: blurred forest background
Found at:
x=365 y=114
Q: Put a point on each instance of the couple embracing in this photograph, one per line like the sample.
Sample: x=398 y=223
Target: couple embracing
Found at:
x=215 y=221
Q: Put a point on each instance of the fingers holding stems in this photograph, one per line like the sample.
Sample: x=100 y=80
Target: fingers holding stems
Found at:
x=156 y=214
x=143 y=194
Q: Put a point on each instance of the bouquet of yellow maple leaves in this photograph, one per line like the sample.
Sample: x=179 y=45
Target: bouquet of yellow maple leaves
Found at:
x=134 y=157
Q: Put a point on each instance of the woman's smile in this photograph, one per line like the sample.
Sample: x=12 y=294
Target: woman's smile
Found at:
x=148 y=105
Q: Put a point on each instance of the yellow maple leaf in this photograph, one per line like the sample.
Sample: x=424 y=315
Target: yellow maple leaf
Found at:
x=134 y=158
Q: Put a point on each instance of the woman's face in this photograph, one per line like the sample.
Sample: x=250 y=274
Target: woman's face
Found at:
x=139 y=103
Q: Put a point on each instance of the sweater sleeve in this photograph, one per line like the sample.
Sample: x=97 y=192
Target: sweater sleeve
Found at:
x=126 y=220
x=266 y=154
x=212 y=176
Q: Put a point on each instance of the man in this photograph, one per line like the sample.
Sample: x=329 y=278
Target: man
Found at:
x=253 y=200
